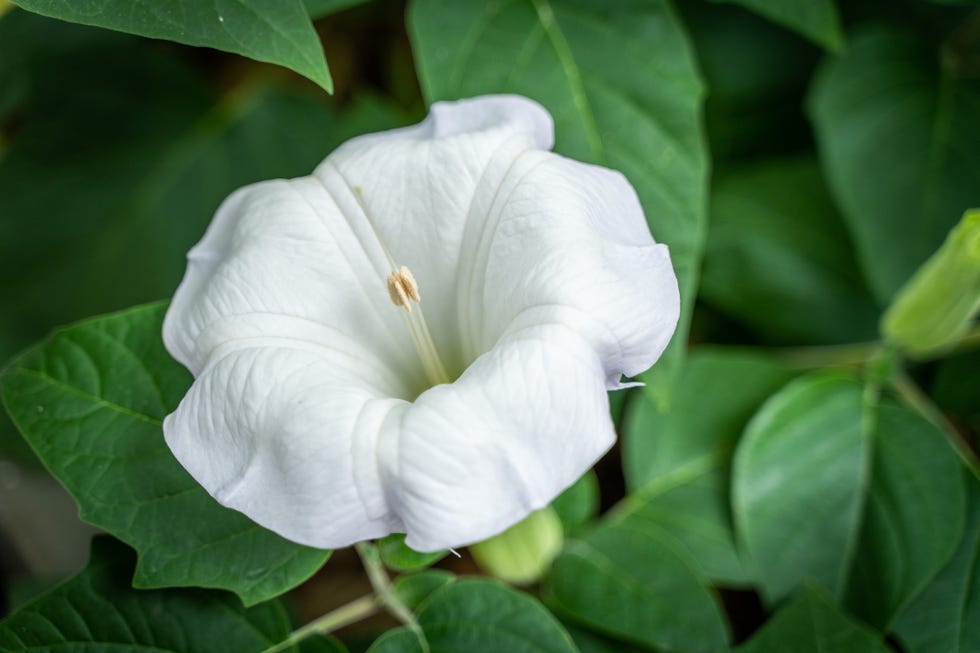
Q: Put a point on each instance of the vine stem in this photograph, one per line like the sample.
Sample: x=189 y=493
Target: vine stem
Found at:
x=918 y=401
x=862 y=352
x=384 y=591
x=344 y=615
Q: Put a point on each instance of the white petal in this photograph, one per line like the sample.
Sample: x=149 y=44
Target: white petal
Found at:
x=281 y=258
x=424 y=186
x=567 y=242
x=280 y=430
x=520 y=425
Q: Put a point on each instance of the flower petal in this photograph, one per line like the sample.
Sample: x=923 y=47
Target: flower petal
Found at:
x=281 y=258
x=520 y=425
x=421 y=186
x=280 y=430
x=567 y=242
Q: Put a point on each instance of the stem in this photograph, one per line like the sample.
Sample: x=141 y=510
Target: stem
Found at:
x=829 y=356
x=344 y=615
x=918 y=401
x=860 y=353
x=376 y=573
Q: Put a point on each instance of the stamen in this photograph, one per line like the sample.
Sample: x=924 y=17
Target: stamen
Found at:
x=403 y=290
x=402 y=287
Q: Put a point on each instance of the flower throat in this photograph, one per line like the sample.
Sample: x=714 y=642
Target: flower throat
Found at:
x=404 y=291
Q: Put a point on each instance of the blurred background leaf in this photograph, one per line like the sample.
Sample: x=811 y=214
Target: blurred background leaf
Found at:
x=896 y=121
x=913 y=516
x=942 y=618
x=275 y=31
x=815 y=19
x=778 y=216
x=811 y=624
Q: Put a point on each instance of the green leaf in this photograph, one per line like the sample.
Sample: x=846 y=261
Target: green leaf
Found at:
x=694 y=514
x=589 y=641
x=810 y=624
x=620 y=81
x=815 y=19
x=412 y=589
x=273 y=31
x=579 y=503
x=97 y=610
x=942 y=618
x=398 y=556
x=954 y=388
x=796 y=279
x=631 y=582
x=90 y=401
x=480 y=616
x=320 y=8
x=717 y=392
x=913 y=517
x=797 y=484
x=676 y=462
x=893 y=120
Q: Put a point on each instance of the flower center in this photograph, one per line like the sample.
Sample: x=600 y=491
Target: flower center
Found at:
x=403 y=291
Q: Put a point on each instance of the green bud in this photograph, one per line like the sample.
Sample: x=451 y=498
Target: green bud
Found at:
x=521 y=554
x=936 y=306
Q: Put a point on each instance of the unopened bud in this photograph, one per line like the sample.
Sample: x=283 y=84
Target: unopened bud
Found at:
x=521 y=554
x=937 y=305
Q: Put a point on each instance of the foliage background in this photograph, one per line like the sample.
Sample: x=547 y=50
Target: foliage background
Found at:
x=787 y=484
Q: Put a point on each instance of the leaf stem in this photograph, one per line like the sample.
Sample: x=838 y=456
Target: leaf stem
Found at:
x=860 y=353
x=922 y=404
x=829 y=355
x=343 y=616
x=386 y=596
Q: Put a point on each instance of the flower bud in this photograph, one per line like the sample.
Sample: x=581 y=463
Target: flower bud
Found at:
x=521 y=554
x=935 y=308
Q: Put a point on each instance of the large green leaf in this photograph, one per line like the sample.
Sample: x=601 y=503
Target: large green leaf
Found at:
x=676 y=463
x=944 y=617
x=797 y=484
x=811 y=624
x=620 y=80
x=480 y=616
x=898 y=127
x=795 y=280
x=860 y=496
x=98 y=611
x=815 y=19
x=275 y=31
x=694 y=514
x=717 y=392
x=632 y=582
x=913 y=518
x=90 y=401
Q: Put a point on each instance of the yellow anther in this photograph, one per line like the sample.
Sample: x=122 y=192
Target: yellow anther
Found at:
x=402 y=287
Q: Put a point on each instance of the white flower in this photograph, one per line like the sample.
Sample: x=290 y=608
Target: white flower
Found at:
x=327 y=411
